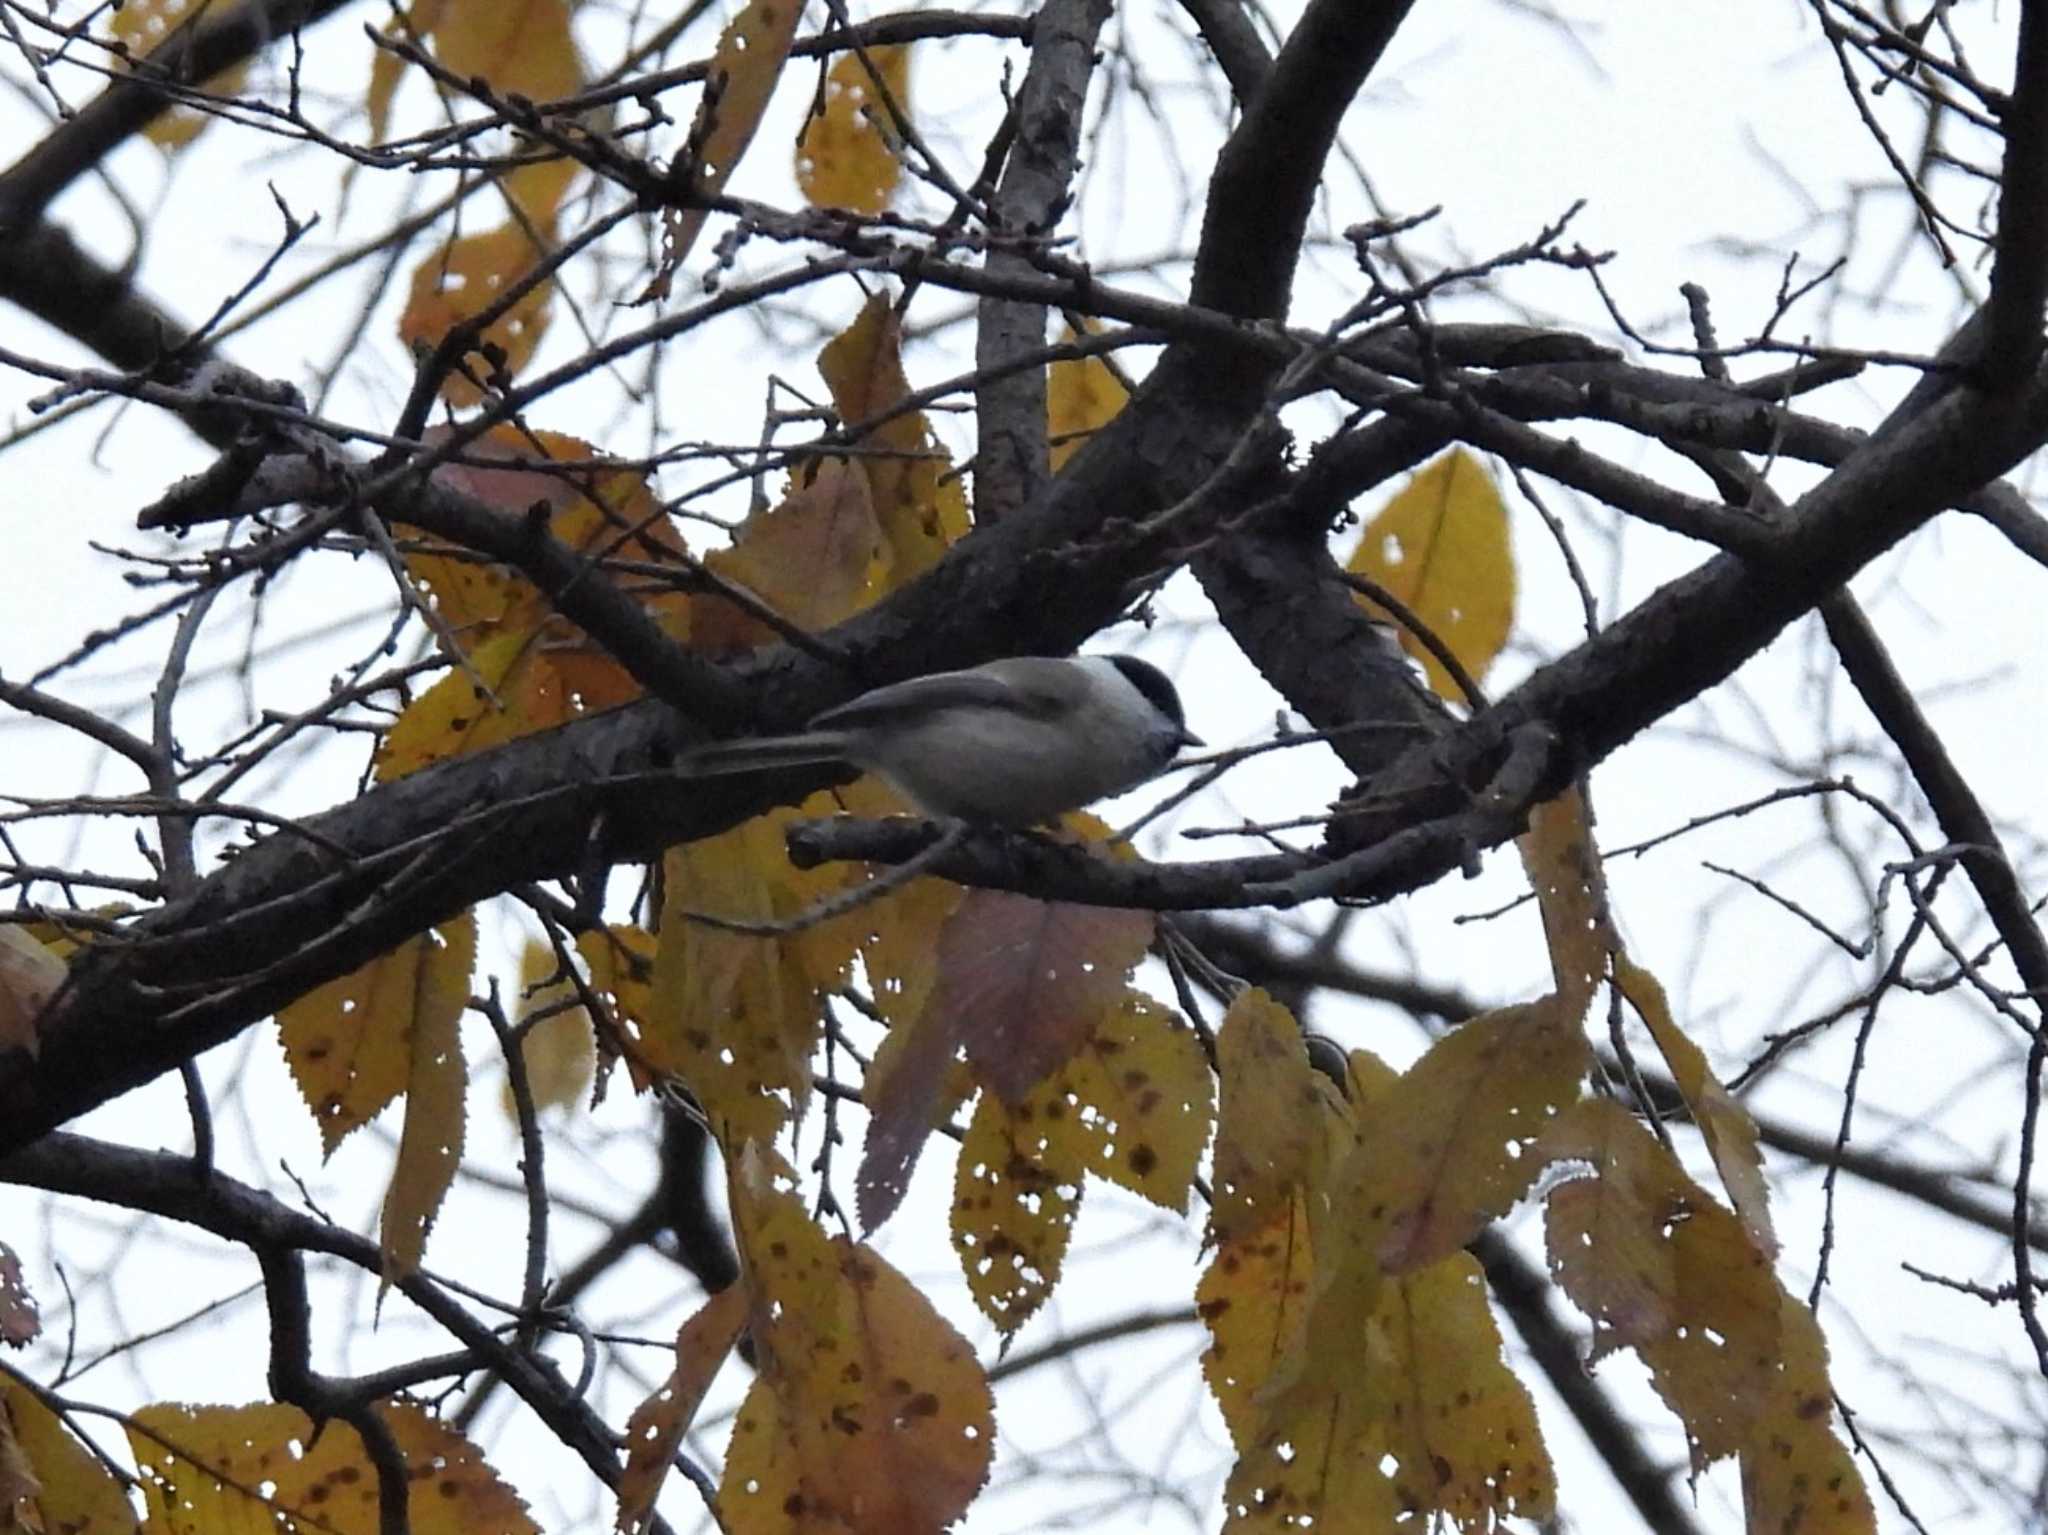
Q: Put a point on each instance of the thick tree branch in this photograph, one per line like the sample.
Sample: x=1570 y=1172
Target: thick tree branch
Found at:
x=1010 y=462
x=2019 y=277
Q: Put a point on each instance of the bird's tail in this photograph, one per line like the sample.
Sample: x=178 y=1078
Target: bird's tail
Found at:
x=761 y=755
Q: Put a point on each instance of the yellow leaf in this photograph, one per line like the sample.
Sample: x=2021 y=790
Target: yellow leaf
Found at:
x=887 y=1415
x=144 y=26
x=1796 y=1475
x=456 y=716
x=900 y=950
x=1563 y=865
x=1254 y=1299
x=1416 y=1413
x=1080 y=399
x=749 y=61
x=915 y=494
x=521 y=47
x=350 y=1042
x=49 y=1481
x=430 y=1146
x=1725 y=1125
x=1016 y=1192
x=1663 y=1269
x=761 y=1492
x=1272 y=1126
x=1450 y=1148
x=656 y=1429
x=620 y=959
x=212 y=1470
x=1442 y=547
x=558 y=1051
x=1137 y=1102
x=845 y=157
x=460 y=281
x=735 y=1015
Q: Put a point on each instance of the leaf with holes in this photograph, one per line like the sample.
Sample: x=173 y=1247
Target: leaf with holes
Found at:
x=350 y=1042
x=846 y=156
x=655 y=1431
x=1663 y=1269
x=881 y=1418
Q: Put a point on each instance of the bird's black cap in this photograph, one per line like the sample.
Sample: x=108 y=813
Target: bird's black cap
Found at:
x=1158 y=689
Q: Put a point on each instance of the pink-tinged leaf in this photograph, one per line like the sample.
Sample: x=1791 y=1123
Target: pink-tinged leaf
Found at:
x=19 y=1322
x=1024 y=982
x=905 y=1095
x=30 y=975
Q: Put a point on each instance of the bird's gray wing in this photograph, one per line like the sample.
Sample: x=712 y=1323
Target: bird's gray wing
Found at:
x=1016 y=688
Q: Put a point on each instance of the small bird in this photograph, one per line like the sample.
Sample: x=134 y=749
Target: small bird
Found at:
x=1011 y=743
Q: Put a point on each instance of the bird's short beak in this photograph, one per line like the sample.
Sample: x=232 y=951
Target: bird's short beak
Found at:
x=1189 y=738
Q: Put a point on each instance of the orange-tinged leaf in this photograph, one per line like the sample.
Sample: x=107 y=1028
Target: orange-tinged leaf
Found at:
x=1563 y=864
x=144 y=26
x=1080 y=399
x=505 y=692
x=1016 y=1192
x=1030 y=980
x=1663 y=1269
x=749 y=60
x=886 y=1409
x=1254 y=1299
x=1796 y=1475
x=73 y=1492
x=350 y=1042
x=736 y=1015
x=1725 y=1125
x=430 y=1146
x=657 y=1426
x=845 y=157
x=462 y=280
x=915 y=494
x=1442 y=547
x=210 y=1470
x=558 y=1051
x=816 y=559
x=594 y=508
x=1274 y=1123
x=19 y=1321
x=1451 y=1148
x=30 y=975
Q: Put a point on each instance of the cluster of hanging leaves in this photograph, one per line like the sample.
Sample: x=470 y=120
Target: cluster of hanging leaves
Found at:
x=1353 y=1354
